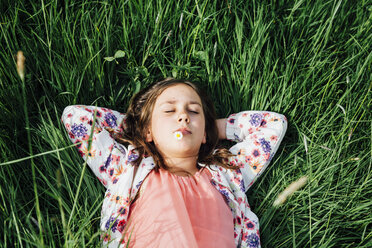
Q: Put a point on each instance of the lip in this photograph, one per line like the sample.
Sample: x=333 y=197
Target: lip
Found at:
x=184 y=131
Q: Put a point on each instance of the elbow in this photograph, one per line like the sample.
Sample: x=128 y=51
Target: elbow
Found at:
x=282 y=126
x=67 y=113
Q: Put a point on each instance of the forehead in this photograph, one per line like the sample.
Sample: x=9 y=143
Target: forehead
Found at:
x=178 y=93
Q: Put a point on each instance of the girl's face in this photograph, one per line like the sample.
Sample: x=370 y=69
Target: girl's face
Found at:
x=177 y=108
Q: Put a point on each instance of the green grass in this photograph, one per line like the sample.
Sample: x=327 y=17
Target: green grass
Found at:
x=310 y=60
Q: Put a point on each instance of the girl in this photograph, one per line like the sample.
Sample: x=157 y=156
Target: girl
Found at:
x=166 y=184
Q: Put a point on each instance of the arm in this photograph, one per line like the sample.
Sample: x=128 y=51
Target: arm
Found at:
x=106 y=156
x=258 y=134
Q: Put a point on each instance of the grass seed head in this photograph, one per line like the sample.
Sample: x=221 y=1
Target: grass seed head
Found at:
x=21 y=65
x=294 y=186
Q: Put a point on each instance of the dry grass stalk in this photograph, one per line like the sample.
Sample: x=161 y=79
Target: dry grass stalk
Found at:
x=294 y=186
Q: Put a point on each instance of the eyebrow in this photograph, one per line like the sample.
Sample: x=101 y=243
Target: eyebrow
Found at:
x=175 y=101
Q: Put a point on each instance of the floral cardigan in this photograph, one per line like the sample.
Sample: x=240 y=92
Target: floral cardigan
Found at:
x=257 y=133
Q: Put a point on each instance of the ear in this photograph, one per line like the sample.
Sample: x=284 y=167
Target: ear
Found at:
x=148 y=136
x=204 y=138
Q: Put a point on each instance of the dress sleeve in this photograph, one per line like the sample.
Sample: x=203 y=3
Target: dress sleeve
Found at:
x=258 y=134
x=106 y=156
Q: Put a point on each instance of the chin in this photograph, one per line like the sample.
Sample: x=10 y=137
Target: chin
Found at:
x=187 y=150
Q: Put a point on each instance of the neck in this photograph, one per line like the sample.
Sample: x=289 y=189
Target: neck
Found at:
x=181 y=165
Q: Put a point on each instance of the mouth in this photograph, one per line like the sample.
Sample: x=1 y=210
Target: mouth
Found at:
x=184 y=131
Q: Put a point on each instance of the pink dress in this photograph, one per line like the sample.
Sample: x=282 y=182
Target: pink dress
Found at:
x=176 y=211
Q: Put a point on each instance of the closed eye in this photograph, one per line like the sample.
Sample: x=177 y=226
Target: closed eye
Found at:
x=169 y=111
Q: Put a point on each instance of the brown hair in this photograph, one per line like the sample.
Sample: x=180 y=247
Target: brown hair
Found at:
x=138 y=119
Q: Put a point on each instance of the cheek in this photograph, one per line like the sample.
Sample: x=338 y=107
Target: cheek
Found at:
x=201 y=129
x=159 y=126
x=201 y=123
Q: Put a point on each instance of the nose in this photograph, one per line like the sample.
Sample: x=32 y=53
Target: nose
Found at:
x=183 y=117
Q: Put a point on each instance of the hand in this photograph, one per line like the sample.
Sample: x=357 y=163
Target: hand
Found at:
x=221 y=126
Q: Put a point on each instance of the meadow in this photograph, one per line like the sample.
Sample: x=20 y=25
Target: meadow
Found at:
x=309 y=60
